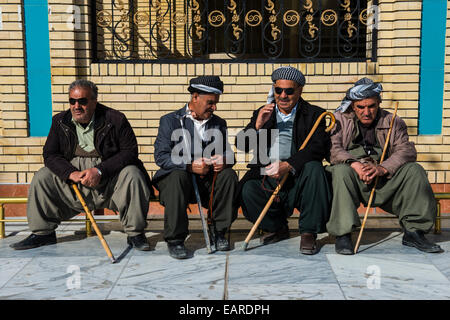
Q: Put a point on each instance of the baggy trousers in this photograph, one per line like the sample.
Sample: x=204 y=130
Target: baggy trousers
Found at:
x=408 y=195
x=176 y=192
x=309 y=193
x=52 y=200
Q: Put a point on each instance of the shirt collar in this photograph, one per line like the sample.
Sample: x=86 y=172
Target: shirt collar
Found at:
x=286 y=117
x=89 y=126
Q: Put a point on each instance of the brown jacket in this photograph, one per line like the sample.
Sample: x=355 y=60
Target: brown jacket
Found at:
x=399 y=152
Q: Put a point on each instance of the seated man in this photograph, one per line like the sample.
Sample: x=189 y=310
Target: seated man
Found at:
x=193 y=141
x=306 y=188
x=357 y=145
x=94 y=146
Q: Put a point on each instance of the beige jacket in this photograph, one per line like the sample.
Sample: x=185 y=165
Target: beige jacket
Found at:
x=400 y=149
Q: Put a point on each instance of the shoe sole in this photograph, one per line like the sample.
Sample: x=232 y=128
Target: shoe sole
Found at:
x=345 y=252
x=310 y=252
x=179 y=257
x=412 y=244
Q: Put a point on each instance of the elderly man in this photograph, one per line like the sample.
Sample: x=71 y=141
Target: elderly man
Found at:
x=402 y=189
x=193 y=141
x=275 y=155
x=93 y=146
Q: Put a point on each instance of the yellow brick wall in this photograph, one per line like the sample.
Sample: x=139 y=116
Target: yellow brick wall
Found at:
x=144 y=92
x=17 y=160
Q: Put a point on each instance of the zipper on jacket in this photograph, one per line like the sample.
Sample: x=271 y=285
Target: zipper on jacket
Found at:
x=67 y=131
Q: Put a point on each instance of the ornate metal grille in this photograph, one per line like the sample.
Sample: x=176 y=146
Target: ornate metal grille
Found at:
x=234 y=30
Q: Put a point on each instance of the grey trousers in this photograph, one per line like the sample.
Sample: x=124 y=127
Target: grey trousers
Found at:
x=408 y=195
x=51 y=200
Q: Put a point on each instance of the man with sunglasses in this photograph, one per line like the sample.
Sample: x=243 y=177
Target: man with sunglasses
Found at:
x=403 y=189
x=93 y=146
x=275 y=133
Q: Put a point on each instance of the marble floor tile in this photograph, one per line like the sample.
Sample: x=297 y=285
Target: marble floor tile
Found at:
x=268 y=269
x=362 y=270
x=63 y=278
x=10 y=267
x=318 y=291
x=149 y=291
x=395 y=291
x=154 y=270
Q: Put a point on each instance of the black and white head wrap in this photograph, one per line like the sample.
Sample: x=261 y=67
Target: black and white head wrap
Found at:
x=364 y=88
x=286 y=73
x=206 y=85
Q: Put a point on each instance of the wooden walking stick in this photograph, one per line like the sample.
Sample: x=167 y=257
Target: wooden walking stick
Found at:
x=94 y=224
x=372 y=193
x=278 y=188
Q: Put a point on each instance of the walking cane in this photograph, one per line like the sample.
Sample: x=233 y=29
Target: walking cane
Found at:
x=210 y=247
x=372 y=193
x=94 y=224
x=278 y=188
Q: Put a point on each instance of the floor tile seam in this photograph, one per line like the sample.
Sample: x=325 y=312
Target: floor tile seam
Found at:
x=432 y=262
x=118 y=277
x=336 y=278
x=16 y=273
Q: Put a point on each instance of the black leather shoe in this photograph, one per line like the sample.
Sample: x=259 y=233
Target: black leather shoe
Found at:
x=34 y=241
x=222 y=243
x=139 y=242
x=276 y=236
x=344 y=244
x=418 y=240
x=177 y=250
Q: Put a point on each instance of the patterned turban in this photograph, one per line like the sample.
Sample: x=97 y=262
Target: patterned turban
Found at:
x=206 y=84
x=363 y=89
x=288 y=73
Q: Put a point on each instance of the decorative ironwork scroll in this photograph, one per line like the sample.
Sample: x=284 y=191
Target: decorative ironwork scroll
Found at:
x=217 y=30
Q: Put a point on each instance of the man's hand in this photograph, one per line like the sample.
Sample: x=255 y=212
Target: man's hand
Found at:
x=368 y=171
x=264 y=115
x=91 y=177
x=76 y=176
x=277 y=169
x=218 y=162
x=200 y=166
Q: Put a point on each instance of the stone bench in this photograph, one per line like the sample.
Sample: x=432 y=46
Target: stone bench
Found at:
x=17 y=200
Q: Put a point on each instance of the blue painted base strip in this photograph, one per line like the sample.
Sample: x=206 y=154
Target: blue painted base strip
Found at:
x=38 y=67
x=432 y=57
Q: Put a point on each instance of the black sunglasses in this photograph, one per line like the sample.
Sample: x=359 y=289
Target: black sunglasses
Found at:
x=288 y=91
x=81 y=101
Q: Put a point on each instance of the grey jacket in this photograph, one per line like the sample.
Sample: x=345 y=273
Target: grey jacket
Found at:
x=399 y=152
x=168 y=139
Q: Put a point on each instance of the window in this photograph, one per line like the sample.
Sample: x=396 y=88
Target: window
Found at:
x=234 y=30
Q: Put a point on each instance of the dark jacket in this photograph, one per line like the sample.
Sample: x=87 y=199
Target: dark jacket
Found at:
x=114 y=140
x=164 y=145
x=316 y=150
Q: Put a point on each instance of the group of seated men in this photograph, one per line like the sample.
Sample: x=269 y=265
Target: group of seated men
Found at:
x=95 y=147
